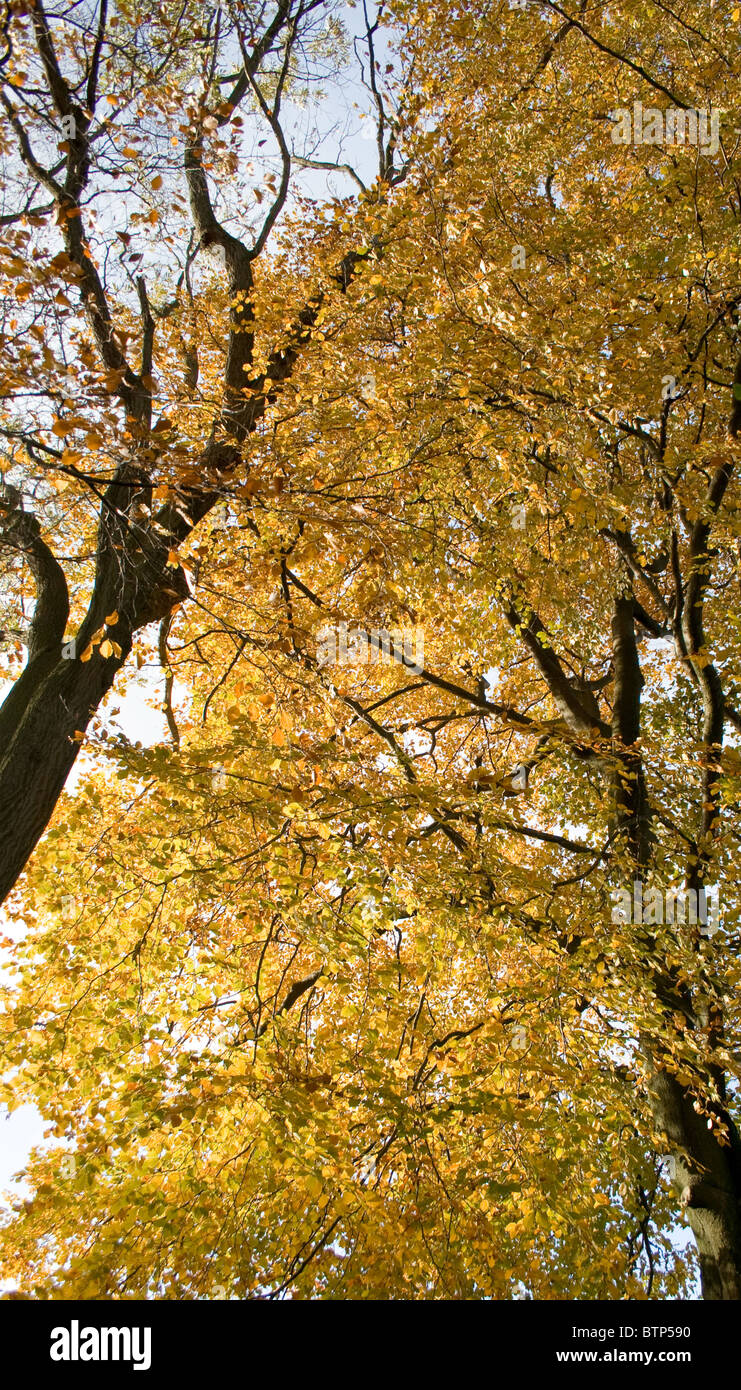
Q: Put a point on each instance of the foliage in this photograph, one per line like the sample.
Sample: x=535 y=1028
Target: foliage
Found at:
x=324 y=993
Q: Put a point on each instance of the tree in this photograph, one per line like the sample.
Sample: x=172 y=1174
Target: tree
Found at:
x=59 y=76
x=376 y=979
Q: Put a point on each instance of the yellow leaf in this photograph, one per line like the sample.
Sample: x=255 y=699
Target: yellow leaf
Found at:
x=112 y=618
x=86 y=655
x=106 y=649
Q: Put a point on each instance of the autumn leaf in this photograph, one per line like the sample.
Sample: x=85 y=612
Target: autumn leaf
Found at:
x=356 y=953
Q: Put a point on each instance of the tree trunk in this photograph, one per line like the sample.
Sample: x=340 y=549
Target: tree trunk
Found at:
x=707 y=1179
x=41 y=753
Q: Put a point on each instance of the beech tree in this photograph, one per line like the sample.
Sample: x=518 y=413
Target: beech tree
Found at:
x=78 y=88
x=389 y=972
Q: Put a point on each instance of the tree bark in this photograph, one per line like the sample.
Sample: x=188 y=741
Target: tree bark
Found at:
x=706 y=1174
x=707 y=1179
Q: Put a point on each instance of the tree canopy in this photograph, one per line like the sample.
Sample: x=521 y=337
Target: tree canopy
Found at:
x=367 y=321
